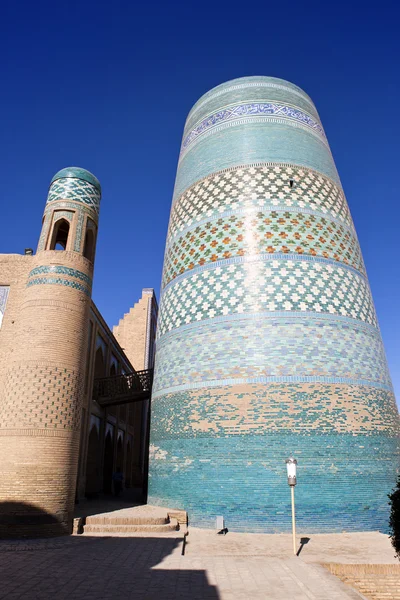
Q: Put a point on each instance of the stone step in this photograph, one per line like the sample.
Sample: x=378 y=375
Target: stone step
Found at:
x=111 y=520
x=126 y=529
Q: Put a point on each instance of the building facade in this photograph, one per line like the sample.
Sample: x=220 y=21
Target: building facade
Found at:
x=56 y=442
x=268 y=342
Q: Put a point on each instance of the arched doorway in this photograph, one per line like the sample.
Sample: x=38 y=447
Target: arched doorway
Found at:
x=93 y=483
x=120 y=450
x=99 y=364
x=128 y=469
x=108 y=459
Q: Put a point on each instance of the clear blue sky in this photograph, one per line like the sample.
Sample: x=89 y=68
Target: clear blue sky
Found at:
x=107 y=86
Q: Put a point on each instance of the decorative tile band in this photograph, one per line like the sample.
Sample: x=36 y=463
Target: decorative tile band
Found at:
x=164 y=339
x=256 y=84
x=266 y=380
x=79 y=229
x=74 y=189
x=261 y=233
x=255 y=187
x=44 y=232
x=61 y=270
x=253 y=212
x=59 y=281
x=4 y=291
x=260 y=258
x=265 y=287
x=63 y=214
x=76 y=206
x=306 y=347
x=249 y=110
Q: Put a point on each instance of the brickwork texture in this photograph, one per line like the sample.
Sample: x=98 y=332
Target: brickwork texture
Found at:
x=43 y=341
x=268 y=342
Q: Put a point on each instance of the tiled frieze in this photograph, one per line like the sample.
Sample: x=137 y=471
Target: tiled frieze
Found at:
x=45 y=231
x=79 y=229
x=74 y=189
x=59 y=281
x=63 y=214
x=288 y=285
x=45 y=275
x=263 y=232
x=240 y=113
x=260 y=89
x=304 y=348
x=268 y=342
x=258 y=187
x=4 y=291
x=61 y=270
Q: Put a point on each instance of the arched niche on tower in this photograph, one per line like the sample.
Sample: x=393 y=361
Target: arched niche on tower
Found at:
x=61 y=230
x=90 y=240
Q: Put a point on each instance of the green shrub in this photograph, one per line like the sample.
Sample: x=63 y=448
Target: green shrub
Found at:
x=394 y=521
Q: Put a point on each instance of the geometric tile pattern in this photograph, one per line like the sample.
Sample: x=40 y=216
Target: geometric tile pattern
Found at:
x=44 y=232
x=79 y=228
x=276 y=285
x=74 y=189
x=60 y=281
x=4 y=291
x=258 y=187
x=286 y=232
x=241 y=112
x=63 y=214
x=76 y=277
x=289 y=348
x=268 y=342
x=42 y=270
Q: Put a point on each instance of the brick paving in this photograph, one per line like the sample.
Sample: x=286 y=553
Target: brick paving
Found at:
x=235 y=567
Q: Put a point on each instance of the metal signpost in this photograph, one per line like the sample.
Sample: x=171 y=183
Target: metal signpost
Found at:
x=291 y=465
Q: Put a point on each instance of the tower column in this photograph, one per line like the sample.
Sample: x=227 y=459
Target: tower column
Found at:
x=41 y=407
x=268 y=343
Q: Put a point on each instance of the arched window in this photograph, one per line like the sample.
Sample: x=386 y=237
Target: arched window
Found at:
x=88 y=251
x=60 y=235
x=113 y=370
x=99 y=364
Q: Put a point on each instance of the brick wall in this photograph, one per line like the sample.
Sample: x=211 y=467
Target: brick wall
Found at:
x=375 y=582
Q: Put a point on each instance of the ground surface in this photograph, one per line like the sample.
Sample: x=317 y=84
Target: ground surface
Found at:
x=148 y=567
x=153 y=568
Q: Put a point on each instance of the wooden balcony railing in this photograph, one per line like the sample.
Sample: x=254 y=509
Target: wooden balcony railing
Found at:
x=122 y=389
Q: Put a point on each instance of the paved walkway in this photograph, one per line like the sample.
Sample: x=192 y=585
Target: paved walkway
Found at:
x=356 y=548
x=232 y=567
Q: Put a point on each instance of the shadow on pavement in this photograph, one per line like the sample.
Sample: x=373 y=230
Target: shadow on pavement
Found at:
x=83 y=567
x=90 y=567
x=303 y=542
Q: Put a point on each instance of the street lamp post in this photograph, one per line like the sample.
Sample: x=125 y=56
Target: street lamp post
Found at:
x=291 y=465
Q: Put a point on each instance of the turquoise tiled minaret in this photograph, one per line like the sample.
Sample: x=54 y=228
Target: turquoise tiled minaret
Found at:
x=268 y=342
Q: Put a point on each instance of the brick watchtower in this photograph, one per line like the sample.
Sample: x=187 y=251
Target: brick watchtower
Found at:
x=41 y=403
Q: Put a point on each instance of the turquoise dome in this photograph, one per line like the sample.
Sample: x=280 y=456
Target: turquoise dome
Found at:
x=77 y=173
